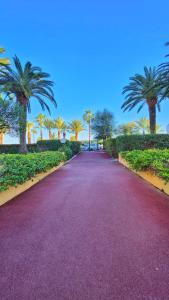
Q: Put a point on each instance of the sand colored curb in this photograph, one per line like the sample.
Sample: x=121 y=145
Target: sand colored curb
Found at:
x=12 y=192
x=149 y=176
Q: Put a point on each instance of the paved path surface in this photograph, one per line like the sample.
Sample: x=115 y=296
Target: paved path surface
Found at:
x=91 y=231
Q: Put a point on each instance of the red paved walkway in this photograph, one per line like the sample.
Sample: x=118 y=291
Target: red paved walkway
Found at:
x=91 y=231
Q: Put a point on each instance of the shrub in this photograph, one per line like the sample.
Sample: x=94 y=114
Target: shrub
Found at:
x=142 y=142
x=66 y=150
x=110 y=147
x=75 y=147
x=155 y=160
x=17 y=168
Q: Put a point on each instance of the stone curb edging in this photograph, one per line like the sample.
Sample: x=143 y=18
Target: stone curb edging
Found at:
x=148 y=176
x=12 y=192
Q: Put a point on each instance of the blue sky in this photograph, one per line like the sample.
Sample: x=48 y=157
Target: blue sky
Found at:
x=89 y=47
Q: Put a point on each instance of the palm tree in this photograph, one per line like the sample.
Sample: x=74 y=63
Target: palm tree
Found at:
x=164 y=72
x=26 y=82
x=40 y=121
x=144 y=89
x=88 y=117
x=29 y=127
x=142 y=124
x=76 y=127
x=127 y=129
x=49 y=124
x=3 y=61
x=60 y=125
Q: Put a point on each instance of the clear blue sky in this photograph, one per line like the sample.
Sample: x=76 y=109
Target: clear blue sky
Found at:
x=89 y=47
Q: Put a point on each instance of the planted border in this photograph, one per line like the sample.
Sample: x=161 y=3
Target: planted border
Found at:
x=16 y=169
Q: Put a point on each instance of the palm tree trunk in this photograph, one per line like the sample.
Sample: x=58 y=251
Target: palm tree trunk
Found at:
x=1 y=138
x=76 y=136
x=59 y=134
x=50 y=135
x=22 y=128
x=29 y=137
x=89 y=134
x=152 y=118
x=41 y=134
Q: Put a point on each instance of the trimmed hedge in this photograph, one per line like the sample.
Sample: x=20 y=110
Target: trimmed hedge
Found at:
x=110 y=147
x=142 y=142
x=14 y=148
x=54 y=145
x=45 y=145
x=136 y=142
x=17 y=168
x=155 y=160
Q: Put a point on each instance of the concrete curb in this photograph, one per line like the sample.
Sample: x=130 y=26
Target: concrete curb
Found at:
x=148 y=176
x=12 y=192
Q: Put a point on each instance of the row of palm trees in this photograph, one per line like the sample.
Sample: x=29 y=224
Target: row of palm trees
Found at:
x=149 y=89
x=42 y=122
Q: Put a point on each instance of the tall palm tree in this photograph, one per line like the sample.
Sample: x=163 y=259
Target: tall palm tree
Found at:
x=29 y=127
x=76 y=127
x=26 y=82
x=4 y=60
x=164 y=72
x=40 y=121
x=49 y=124
x=60 y=125
x=88 y=117
x=144 y=89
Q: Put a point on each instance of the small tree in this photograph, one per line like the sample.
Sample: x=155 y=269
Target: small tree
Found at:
x=49 y=125
x=60 y=124
x=103 y=124
x=127 y=129
x=40 y=121
x=76 y=127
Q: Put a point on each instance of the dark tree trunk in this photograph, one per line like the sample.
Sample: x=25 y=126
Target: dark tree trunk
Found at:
x=152 y=118
x=22 y=128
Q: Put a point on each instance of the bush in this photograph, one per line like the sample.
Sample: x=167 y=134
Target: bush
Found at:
x=75 y=147
x=66 y=150
x=142 y=142
x=110 y=147
x=17 y=168
x=155 y=160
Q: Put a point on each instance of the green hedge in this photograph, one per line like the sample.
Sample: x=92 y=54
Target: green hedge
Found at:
x=13 y=148
x=110 y=147
x=155 y=160
x=17 y=168
x=136 y=142
x=45 y=145
x=142 y=142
